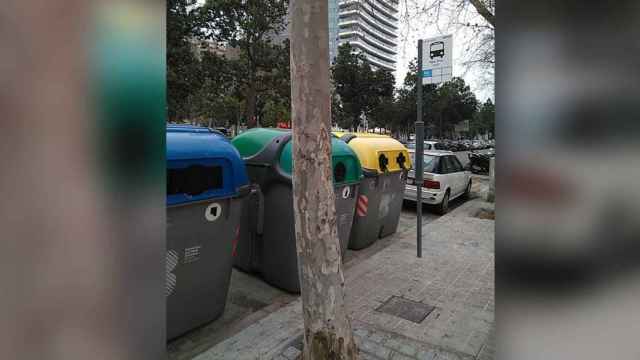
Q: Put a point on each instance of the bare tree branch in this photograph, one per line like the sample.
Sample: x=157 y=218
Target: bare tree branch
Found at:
x=471 y=20
x=484 y=12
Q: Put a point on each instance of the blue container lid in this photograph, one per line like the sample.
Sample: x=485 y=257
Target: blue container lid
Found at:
x=192 y=129
x=197 y=152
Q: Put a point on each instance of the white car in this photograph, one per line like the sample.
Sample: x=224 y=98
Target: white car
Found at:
x=444 y=179
x=428 y=145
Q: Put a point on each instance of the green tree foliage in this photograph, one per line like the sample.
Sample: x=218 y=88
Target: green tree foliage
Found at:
x=351 y=75
x=359 y=88
x=406 y=102
x=183 y=68
x=454 y=103
x=275 y=112
x=218 y=101
x=211 y=89
x=484 y=120
x=338 y=115
x=249 y=25
x=274 y=89
x=443 y=106
x=383 y=109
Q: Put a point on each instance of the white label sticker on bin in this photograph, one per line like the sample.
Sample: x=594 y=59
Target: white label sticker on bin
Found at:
x=385 y=205
x=346 y=192
x=192 y=254
x=213 y=212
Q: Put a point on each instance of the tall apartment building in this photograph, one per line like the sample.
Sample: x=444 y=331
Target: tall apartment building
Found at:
x=334 y=11
x=368 y=25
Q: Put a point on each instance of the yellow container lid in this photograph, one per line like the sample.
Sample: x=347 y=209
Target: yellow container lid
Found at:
x=379 y=153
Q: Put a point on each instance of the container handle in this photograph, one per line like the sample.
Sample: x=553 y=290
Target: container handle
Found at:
x=348 y=137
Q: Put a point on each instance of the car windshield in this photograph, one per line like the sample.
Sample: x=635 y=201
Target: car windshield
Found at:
x=430 y=162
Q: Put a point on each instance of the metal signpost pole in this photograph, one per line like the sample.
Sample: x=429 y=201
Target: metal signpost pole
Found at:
x=419 y=151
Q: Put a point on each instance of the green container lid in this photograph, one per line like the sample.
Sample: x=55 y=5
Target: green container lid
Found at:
x=345 y=162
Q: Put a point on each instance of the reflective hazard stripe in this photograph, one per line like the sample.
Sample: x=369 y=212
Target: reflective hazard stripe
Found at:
x=362 y=205
x=235 y=242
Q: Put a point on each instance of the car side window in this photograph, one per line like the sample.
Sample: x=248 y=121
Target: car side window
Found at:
x=452 y=166
x=458 y=164
x=444 y=165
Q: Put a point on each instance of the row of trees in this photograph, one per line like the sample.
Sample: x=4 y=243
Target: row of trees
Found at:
x=205 y=85
x=363 y=93
x=253 y=86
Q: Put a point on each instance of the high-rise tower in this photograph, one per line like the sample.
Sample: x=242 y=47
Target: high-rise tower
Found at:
x=370 y=26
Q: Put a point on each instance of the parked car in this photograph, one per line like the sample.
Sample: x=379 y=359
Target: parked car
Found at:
x=479 y=163
x=444 y=180
x=428 y=145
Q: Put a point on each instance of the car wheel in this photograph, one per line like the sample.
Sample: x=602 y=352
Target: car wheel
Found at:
x=467 y=192
x=443 y=208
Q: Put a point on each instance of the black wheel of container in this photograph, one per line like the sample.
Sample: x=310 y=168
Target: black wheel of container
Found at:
x=467 y=192
x=443 y=207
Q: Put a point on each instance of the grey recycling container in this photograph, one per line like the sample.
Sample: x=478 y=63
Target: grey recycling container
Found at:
x=206 y=186
x=267 y=243
x=385 y=163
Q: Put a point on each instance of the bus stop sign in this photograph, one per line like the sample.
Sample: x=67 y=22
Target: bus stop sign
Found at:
x=437 y=62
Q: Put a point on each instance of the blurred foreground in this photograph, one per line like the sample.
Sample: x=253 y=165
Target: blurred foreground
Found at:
x=568 y=203
x=82 y=183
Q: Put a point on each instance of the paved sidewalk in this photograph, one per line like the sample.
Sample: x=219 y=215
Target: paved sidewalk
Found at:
x=455 y=277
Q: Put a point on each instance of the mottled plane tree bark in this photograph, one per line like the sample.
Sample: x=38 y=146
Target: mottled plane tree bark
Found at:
x=328 y=333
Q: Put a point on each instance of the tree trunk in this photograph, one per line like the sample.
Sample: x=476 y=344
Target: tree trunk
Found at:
x=482 y=9
x=355 y=123
x=328 y=333
x=252 y=94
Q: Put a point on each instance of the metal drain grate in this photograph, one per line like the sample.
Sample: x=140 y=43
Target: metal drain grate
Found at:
x=406 y=309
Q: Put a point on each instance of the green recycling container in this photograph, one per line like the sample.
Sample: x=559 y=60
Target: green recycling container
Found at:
x=385 y=163
x=267 y=243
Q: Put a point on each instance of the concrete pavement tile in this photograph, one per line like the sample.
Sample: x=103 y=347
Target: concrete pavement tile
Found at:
x=398 y=356
x=405 y=345
x=426 y=355
x=365 y=356
x=375 y=349
x=360 y=332
x=292 y=353
x=456 y=276
x=475 y=342
x=376 y=338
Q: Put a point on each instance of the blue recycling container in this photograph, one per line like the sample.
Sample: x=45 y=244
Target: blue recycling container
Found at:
x=192 y=129
x=206 y=185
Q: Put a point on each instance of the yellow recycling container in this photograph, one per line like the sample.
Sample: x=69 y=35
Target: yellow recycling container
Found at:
x=385 y=164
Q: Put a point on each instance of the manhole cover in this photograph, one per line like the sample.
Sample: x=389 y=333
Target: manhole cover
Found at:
x=406 y=309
